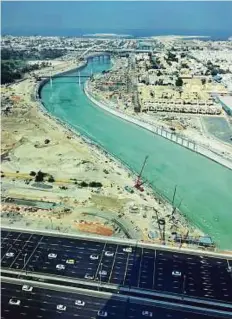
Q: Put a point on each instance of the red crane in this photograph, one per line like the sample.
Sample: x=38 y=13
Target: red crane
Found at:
x=139 y=182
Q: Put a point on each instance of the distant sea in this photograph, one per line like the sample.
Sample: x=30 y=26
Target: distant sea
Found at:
x=134 y=33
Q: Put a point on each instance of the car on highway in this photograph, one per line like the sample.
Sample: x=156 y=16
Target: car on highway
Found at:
x=146 y=313
x=79 y=303
x=10 y=254
x=109 y=254
x=52 y=256
x=60 y=267
x=102 y=313
x=27 y=288
x=61 y=307
x=127 y=249
x=70 y=261
x=15 y=302
x=88 y=276
x=176 y=273
x=103 y=273
x=94 y=257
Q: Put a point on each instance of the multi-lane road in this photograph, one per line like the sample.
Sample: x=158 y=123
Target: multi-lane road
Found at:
x=44 y=301
x=134 y=267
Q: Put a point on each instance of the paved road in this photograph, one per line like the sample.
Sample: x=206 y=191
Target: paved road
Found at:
x=42 y=303
x=144 y=269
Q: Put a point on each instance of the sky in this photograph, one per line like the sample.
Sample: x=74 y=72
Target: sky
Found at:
x=66 y=18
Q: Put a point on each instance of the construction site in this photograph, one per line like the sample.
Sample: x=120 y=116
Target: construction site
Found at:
x=54 y=180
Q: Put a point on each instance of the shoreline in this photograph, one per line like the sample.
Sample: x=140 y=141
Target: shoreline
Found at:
x=211 y=155
x=184 y=220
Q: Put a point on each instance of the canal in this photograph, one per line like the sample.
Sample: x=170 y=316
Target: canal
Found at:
x=204 y=187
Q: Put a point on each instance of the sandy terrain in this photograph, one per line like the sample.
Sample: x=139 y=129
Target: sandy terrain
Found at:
x=70 y=160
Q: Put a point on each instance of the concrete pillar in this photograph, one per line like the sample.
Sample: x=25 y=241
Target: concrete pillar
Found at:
x=79 y=78
x=51 y=79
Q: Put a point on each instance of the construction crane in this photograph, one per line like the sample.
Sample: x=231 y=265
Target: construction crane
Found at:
x=139 y=182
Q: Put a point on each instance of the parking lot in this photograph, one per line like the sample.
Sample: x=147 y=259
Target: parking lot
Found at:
x=134 y=267
x=45 y=303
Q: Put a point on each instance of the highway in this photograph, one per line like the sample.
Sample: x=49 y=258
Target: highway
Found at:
x=55 y=302
x=138 y=268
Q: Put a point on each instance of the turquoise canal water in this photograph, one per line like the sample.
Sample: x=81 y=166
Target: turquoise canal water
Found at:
x=204 y=187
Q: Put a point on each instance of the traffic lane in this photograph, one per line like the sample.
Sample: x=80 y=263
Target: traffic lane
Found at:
x=25 y=243
x=72 y=243
x=15 y=290
x=204 y=276
x=137 y=275
x=118 y=272
x=43 y=299
x=164 y=278
x=115 y=309
x=219 y=288
x=82 y=261
x=139 y=311
x=80 y=257
x=78 y=269
x=147 y=269
x=72 y=251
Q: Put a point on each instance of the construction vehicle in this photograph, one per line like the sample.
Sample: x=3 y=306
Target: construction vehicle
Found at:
x=139 y=182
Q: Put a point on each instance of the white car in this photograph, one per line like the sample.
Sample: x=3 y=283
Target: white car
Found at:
x=88 y=276
x=127 y=249
x=52 y=256
x=109 y=254
x=60 y=267
x=176 y=273
x=10 y=254
x=146 y=313
x=79 y=303
x=102 y=313
x=27 y=288
x=61 y=307
x=15 y=302
x=94 y=257
x=70 y=261
x=103 y=273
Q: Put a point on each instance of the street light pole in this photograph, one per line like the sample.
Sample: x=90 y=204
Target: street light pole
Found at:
x=100 y=272
x=183 y=287
x=24 y=262
x=229 y=269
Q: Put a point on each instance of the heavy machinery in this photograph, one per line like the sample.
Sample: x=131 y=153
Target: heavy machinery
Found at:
x=139 y=182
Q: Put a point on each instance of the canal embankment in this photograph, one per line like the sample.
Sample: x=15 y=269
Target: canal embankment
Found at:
x=173 y=137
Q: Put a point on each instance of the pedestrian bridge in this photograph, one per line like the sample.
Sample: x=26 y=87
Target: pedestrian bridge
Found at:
x=64 y=75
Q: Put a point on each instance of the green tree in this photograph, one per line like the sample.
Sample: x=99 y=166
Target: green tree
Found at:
x=203 y=81
x=214 y=72
x=179 y=82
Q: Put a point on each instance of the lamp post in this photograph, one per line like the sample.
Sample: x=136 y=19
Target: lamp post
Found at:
x=100 y=273
x=183 y=287
x=229 y=269
x=24 y=262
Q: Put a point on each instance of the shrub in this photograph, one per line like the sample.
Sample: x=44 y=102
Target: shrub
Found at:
x=51 y=179
x=84 y=184
x=179 y=82
x=40 y=176
x=95 y=184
